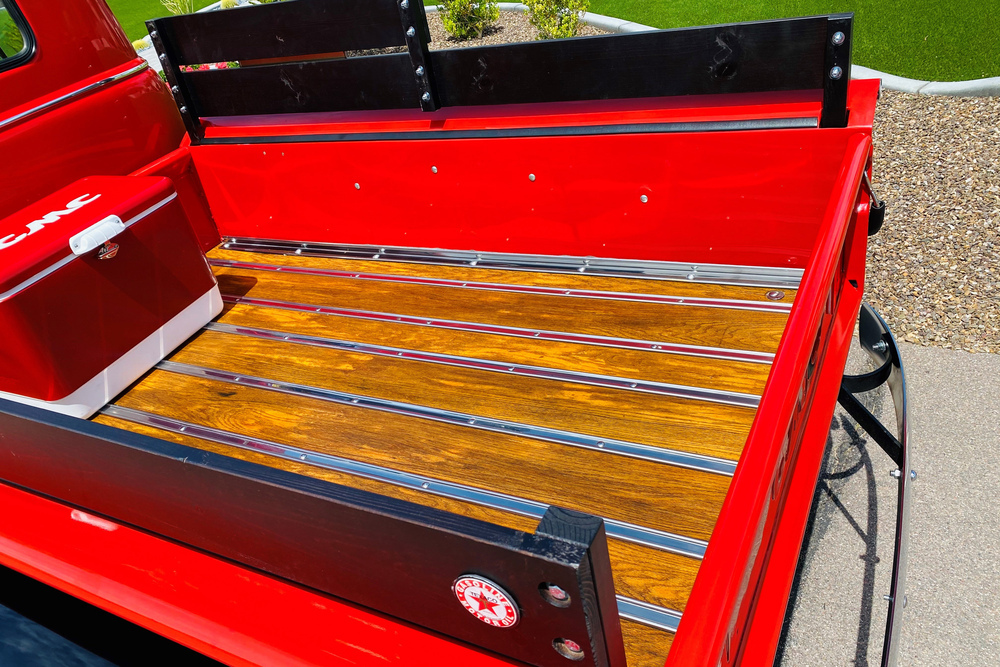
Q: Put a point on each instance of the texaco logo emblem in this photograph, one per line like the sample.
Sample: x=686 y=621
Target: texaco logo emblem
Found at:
x=486 y=601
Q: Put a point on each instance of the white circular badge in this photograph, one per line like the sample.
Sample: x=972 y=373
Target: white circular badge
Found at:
x=486 y=601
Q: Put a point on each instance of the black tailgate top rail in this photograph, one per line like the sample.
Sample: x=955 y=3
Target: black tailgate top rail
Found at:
x=292 y=61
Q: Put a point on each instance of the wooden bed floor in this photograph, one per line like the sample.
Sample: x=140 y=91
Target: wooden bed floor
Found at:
x=487 y=392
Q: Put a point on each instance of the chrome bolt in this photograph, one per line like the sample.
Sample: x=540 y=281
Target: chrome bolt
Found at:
x=643 y=199
x=357 y=186
x=404 y=4
x=426 y=97
x=775 y=295
x=163 y=57
x=184 y=109
x=434 y=170
x=880 y=346
x=887 y=598
x=913 y=475
x=895 y=474
x=420 y=70
x=837 y=39
x=836 y=73
x=153 y=34
x=175 y=89
x=531 y=177
x=411 y=31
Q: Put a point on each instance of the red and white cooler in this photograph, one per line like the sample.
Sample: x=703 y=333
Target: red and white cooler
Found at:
x=98 y=283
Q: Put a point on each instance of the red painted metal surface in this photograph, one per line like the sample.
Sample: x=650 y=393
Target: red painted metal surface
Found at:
x=754 y=197
x=693 y=108
x=112 y=129
x=230 y=613
x=62 y=328
x=714 y=622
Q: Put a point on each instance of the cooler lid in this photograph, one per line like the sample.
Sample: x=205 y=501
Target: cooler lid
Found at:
x=35 y=239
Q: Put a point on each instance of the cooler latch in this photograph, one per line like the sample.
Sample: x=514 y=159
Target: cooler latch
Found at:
x=96 y=235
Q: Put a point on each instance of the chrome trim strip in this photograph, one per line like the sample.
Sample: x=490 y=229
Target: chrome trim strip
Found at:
x=624 y=448
x=648 y=614
x=545 y=373
x=521 y=289
x=720 y=274
x=85 y=90
x=749 y=356
x=657 y=539
x=16 y=289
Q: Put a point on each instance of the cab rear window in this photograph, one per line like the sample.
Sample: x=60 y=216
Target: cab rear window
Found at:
x=15 y=38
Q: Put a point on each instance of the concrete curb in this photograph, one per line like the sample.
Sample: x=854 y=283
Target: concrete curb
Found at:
x=972 y=88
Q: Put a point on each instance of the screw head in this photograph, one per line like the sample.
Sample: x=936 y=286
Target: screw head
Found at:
x=175 y=89
x=913 y=475
x=184 y=109
x=434 y=170
x=404 y=4
x=531 y=177
x=357 y=186
x=838 y=38
x=419 y=70
x=775 y=295
x=152 y=34
x=411 y=31
x=163 y=57
x=426 y=97
x=643 y=199
x=836 y=73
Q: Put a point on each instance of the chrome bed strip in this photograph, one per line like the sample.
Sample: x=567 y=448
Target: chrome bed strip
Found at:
x=540 y=334
x=656 y=539
x=766 y=306
x=634 y=450
x=626 y=384
x=720 y=274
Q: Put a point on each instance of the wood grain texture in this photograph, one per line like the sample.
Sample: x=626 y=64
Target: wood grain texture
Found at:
x=662 y=497
x=664 y=421
x=512 y=277
x=691 y=325
x=691 y=371
x=643 y=573
x=645 y=646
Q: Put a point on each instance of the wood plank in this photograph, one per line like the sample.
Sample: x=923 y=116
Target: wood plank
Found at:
x=682 y=424
x=723 y=375
x=645 y=646
x=692 y=325
x=512 y=277
x=661 y=497
x=642 y=573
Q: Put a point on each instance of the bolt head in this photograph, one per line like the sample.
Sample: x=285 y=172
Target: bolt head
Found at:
x=838 y=38
x=175 y=89
x=152 y=34
x=836 y=73
x=643 y=199
x=913 y=475
x=434 y=170
x=411 y=31
x=163 y=57
x=531 y=177
x=419 y=70
x=426 y=97
x=357 y=186
x=184 y=109
x=404 y=4
x=896 y=474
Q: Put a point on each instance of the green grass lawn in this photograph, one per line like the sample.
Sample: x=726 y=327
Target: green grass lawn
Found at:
x=919 y=39
x=133 y=14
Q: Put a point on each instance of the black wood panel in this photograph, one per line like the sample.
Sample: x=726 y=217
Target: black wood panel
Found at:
x=837 y=55
x=738 y=58
x=282 y=29
x=376 y=82
x=393 y=556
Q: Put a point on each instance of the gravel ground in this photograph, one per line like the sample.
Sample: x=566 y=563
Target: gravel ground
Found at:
x=932 y=269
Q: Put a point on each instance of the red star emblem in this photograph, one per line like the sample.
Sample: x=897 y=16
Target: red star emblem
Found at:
x=485 y=604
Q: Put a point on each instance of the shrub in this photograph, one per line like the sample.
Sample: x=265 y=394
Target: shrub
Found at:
x=465 y=19
x=179 y=6
x=141 y=44
x=229 y=4
x=556 y=18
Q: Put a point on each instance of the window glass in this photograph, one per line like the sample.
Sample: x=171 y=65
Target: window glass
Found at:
x=13 y=42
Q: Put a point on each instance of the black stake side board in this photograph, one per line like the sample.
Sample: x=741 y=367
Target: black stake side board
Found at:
x=282 y=29
x=762 y=56
x=395 y=557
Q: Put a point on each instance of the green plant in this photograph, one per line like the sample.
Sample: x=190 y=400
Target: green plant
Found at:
x=556 y=18
x=179 y=6
x=465 y=19
x=11 y=41
x=141 y=44
x=229 y=4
